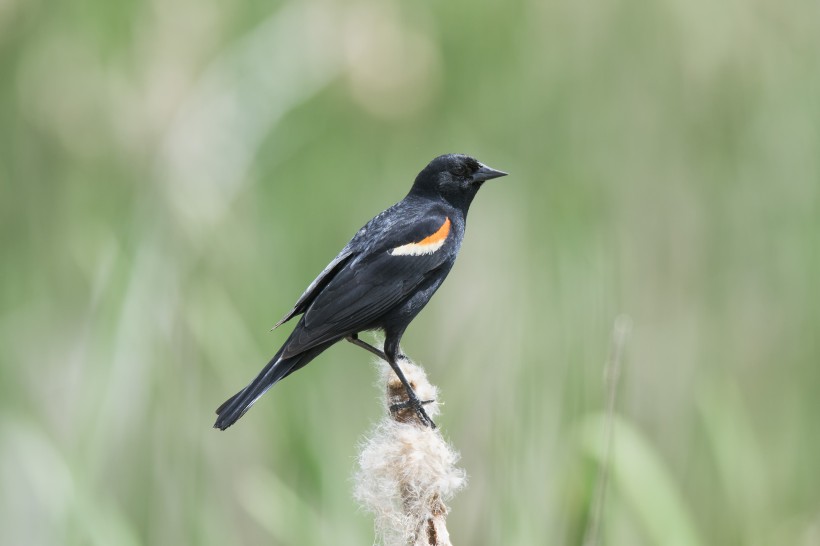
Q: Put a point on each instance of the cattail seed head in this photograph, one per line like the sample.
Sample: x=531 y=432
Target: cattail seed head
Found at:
x=407 y=470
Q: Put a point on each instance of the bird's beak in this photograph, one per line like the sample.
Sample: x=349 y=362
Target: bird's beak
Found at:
x=487 y=173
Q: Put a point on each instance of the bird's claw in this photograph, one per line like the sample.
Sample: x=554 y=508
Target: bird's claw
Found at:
x=418 y=406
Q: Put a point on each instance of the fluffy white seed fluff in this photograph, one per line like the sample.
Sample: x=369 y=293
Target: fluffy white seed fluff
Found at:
x=407 y=470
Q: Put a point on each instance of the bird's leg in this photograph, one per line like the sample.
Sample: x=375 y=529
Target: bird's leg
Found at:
x=354 y=339
x=413 y=401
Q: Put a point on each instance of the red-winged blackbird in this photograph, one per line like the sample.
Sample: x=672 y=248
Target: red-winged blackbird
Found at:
x=380 y=281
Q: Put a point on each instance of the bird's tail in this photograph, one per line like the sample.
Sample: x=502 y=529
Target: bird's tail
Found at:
x=277 y=369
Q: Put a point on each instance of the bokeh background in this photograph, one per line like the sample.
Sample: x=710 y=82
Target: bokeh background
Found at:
x=173 y=174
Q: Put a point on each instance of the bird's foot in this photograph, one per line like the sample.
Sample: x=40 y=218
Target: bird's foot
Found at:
x=413 y=403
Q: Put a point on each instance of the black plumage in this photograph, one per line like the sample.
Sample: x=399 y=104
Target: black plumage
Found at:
x=380 y=280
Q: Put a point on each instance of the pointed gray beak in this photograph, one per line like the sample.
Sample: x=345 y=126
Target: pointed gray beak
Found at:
x=487 y=173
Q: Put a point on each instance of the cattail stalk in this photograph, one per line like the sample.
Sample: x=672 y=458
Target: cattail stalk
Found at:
x=407 y=470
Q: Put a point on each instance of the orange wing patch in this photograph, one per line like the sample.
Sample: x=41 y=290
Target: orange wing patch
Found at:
x=428 y=245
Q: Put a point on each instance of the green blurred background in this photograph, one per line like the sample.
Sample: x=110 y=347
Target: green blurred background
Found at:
x=173 y=174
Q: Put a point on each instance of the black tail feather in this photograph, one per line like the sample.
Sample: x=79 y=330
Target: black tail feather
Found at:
x=236 y=406
x=277 y=369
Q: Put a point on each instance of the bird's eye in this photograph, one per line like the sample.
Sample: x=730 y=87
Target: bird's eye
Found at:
x=460 y=170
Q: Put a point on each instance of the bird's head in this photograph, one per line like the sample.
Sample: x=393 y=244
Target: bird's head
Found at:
x=455 y=177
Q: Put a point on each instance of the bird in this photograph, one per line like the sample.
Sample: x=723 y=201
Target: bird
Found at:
x=379 y=281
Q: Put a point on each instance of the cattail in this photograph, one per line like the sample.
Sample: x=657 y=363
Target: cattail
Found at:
x=407 y=470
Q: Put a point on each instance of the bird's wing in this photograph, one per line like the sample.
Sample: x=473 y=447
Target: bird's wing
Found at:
x=316 y=286
x=366 y=288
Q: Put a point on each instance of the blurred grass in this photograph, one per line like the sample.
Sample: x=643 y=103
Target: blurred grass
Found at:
x=173 y=175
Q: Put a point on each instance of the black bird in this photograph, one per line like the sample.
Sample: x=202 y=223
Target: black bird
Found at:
x=380 y=280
